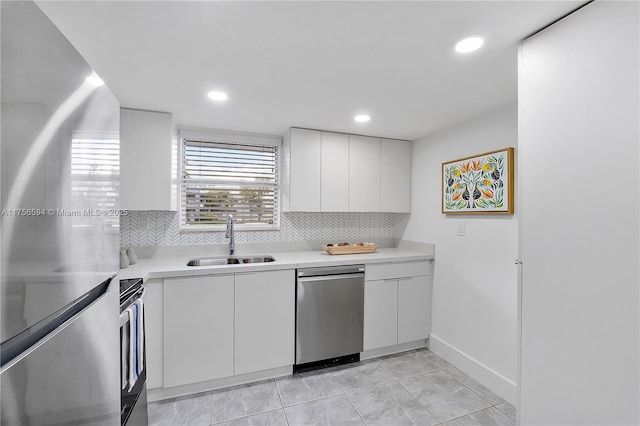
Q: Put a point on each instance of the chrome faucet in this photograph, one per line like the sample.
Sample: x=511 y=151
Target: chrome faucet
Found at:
x=230 y=234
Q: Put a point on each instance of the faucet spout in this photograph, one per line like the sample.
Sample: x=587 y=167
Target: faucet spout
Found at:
x=231 y=235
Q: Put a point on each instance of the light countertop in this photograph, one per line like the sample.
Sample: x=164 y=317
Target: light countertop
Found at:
x=161 y=267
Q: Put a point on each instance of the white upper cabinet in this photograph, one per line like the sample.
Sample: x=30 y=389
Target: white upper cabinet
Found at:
x=334 y=188
x=337 y=172
x=395 y=176
x=364 y=174
x=148 y=161
x=301 y=176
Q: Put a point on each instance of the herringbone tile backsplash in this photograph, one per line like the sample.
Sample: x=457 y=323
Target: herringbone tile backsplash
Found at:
x=162 y=228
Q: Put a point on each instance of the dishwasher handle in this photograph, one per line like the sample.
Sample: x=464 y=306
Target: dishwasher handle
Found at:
x=331 y=270
x=329 y=277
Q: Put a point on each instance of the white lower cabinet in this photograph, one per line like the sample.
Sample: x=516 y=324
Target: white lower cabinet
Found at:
x=198 y=329
x=396 y=310
x=414 y=308
x=203 y=328
x=380 y=314
x=264 y=320
x=216 y=326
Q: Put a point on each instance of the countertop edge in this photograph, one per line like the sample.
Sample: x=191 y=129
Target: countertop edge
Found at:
x=158 y=268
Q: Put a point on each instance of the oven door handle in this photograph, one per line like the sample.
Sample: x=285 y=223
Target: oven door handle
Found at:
x=124 y=318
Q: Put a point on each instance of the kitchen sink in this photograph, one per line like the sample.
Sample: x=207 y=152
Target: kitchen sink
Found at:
x=229 y=260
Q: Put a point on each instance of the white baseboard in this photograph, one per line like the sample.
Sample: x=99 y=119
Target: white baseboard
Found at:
x=389 y=350
x=488 y=378
x=158 y=394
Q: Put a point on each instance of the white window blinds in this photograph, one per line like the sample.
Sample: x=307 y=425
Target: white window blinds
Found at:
x=222 y=178
x=95 y=177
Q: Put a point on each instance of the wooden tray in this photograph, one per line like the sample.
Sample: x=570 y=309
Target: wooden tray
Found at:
x=350 y=249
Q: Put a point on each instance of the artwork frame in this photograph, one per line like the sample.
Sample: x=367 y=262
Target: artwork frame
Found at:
x=491 y=176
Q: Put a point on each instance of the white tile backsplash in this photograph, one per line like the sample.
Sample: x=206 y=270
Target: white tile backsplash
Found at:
x=162 y=228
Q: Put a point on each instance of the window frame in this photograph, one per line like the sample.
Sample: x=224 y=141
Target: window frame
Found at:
x=229 y=137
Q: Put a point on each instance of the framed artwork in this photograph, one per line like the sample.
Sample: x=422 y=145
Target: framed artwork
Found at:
x=481 y=183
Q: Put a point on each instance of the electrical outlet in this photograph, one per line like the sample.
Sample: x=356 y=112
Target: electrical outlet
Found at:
x=461 y=229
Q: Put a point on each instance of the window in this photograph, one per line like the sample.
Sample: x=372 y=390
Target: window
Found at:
x=95 y=177
x=229 y=175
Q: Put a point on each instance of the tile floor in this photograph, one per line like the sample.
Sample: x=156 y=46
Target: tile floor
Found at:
x=412 y=388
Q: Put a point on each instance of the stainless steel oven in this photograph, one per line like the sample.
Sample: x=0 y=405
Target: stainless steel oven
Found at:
x=329 y=315
x=133 y=375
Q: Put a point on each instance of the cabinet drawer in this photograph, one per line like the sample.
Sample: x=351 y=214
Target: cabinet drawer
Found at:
x=384 y=271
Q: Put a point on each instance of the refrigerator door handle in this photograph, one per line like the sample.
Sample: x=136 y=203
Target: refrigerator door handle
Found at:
x=22 y=344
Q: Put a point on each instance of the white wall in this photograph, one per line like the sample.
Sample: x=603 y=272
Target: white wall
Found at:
x=475 y=281
x=579 y=134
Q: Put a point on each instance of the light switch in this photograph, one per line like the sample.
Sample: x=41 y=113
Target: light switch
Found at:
x=461 y=228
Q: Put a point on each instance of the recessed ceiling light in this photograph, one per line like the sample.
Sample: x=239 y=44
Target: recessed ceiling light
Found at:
x=94 y=80
x=217 y=96
x=469 y=44
x=362 y=118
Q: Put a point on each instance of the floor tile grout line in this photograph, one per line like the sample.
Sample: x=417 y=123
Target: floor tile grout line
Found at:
x=384 y=364
x=313 y=400
x=502 y=411
x=328 y=373
x=354 y=407
x=446 y=370
x=468 y=414
x=211 y=422
x=368 y=386
x=275 y=383
x=420 y=402
x=248 y=415
x=286 y=419
x=482 y=397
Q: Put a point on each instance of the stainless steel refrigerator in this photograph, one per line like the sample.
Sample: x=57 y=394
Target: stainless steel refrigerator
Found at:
x=59 y=236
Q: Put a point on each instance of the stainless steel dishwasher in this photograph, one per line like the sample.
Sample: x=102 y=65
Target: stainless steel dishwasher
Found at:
x=329 y=315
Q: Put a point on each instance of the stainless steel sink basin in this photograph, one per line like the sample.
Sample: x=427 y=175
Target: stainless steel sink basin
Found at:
x=229 y=260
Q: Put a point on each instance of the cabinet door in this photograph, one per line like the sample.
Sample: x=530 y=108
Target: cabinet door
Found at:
x=414 y=308
x=304 y=178
x=395 y=176
x=380 y=313
x=364 y=174
x=147 y=171
x=334 y=196
x=264 y=320
x=198 y=329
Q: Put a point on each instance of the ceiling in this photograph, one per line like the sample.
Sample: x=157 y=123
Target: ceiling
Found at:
x=307 y=64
